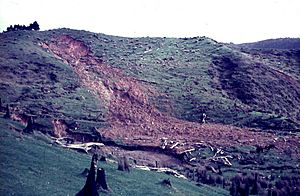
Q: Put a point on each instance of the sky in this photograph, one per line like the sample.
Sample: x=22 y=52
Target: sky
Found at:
x=236 y=21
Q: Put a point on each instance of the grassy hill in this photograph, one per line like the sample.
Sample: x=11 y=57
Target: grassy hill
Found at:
x=145 y=97
x=190 y=76
x=281 y=43
x=34 y=165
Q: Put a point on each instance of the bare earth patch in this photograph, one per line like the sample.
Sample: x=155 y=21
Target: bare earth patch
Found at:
x=133 y=120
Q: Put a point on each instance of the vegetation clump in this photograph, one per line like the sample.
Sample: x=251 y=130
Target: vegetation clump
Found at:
x=33 y=26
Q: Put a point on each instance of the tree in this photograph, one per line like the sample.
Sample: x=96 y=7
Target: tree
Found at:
x=34 y=26
x=10 y=28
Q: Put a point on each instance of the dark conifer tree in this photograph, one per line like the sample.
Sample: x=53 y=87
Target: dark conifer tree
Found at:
x=35 y=26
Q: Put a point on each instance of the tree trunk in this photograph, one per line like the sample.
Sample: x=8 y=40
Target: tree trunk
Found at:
x=120 y=165
x=126 y=164
x=123 y=164
x=90 y=188
x=29 y=127
x=7 y=114
x=101 y=180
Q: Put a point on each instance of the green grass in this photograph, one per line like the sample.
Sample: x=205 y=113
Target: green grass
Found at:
x=179 y=68
x=33 y=165
x=188 y=74
x=40 y=84
x=184 y=71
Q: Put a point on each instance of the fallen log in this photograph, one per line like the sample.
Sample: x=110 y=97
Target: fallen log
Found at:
x=164 y=170
x=174 y=145
x=85 y=147
x=218 y=151
x=211 y=168
x=223 y=158
x=188 y=150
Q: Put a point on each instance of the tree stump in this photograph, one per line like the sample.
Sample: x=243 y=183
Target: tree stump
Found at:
x=166 y=182
x=103 y=159
x=7 y=114
x=123 y=164
x=29 y=127
x=120 y=165
x=126 y=164
x=101 y=180
x=256 y=186
x=90 y=184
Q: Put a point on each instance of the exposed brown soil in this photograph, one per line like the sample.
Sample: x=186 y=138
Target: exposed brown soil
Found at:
x=134 y=120
x=59 y=128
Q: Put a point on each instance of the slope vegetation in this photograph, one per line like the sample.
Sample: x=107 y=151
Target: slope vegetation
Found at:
x=144 y=98
x=34 y=165
x=281 y=43
x=182 y=77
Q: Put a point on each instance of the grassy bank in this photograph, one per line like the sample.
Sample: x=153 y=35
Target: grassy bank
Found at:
x=33 y=165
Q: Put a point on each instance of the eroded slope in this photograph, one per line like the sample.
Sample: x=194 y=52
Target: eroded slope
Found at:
x=132 y=119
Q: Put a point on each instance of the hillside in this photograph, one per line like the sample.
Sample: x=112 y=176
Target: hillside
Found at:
x=281 y=43
x=46 y=169
x=182 y=77
x=145 y=97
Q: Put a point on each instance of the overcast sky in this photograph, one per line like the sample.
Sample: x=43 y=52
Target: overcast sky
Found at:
x=223 y=20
